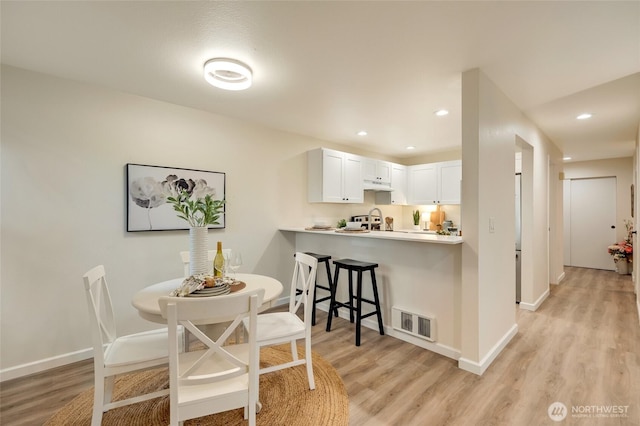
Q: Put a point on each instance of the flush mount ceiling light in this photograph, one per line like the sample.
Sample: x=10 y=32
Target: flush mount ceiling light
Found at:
x=228 y=74
x=441 y=112
x=584 y=116
x=362 y=133
x=566 y=158
x=411 y=147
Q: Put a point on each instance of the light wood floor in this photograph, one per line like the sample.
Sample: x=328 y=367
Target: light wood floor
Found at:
x=581 y=348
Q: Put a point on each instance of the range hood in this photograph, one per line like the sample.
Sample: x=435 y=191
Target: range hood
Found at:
x=377 y=186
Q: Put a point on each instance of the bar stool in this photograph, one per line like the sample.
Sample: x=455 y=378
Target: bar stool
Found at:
x=322 y=258
x=356 y=266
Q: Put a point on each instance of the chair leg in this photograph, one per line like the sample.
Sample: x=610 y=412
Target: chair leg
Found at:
x=335 y=310
x=294 y=350
x=307 y=354
x=313 y=311
x=98 y=401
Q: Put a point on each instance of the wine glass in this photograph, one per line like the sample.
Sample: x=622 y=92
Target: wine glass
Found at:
x=234 y=263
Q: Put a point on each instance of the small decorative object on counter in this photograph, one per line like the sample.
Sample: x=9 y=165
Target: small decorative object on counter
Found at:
x=342 y=223
x=416 y=219
x=388 y=223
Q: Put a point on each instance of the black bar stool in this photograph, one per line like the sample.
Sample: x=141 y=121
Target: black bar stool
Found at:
x=357 y=266
x=322 y=258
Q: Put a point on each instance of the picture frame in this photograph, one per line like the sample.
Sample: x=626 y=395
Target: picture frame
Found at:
x=149 y=186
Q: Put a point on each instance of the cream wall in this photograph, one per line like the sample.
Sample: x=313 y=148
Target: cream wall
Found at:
x=491 y=125
x=622 y=170
x=64 y=149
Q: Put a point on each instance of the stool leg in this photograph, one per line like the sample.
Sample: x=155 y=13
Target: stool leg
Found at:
x=358 y=308
x=351 y=296
x=377 y=300
x=332 y=305
x=335 y=311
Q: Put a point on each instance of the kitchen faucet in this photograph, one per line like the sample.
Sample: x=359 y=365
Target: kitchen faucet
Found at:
x=371 y=211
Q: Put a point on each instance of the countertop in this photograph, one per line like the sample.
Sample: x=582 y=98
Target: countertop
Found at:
x=417 y=236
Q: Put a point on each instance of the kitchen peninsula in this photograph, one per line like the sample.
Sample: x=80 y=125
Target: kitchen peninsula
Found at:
x=419 y=275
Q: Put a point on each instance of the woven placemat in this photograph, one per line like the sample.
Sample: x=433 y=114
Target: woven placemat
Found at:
x=285 y=397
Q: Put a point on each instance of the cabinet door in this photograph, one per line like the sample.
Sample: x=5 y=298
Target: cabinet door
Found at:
x=353 y=188
x=423 y=184
x=399 y=184
x=376 y=171
x=449 y=177
x=368 y=169
x=332 y=176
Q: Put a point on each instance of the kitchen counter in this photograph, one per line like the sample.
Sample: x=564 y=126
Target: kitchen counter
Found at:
x=418 y=273
x=416 y=236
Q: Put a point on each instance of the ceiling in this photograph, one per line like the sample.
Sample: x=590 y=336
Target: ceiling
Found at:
x=328 y=69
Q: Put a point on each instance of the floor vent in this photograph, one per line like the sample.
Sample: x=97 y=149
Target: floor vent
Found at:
x=415 y=324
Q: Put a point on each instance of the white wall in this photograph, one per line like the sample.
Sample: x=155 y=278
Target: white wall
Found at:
x=490 y=125
x=64 y=149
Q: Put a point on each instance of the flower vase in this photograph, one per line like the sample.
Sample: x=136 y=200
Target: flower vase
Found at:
x=622 y=266
x=416 y=227
x=198 y=250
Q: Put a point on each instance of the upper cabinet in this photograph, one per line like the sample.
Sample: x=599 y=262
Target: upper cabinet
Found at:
x=398 y=196
x=435 y=183
x=376 y=171
x=334 y=177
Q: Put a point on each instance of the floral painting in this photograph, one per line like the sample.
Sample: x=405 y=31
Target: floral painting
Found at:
x=148 y=188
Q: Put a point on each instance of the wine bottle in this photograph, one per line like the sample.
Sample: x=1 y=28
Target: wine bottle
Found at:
x=218 y=262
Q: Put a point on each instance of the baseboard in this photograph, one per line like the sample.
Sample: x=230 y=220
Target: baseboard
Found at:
x=44 y=364
x=436 y=347
x=534 y=306
x=480 y=367
x=561 y=277
x=638 y=306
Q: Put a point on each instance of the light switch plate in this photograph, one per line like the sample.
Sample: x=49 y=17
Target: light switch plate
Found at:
x=492 y=225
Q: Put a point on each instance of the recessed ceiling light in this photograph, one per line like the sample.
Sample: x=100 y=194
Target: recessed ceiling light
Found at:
x=441 y=112
x=566 y=158
x=584 y=116
x=411 y=147
x=228 y=74
x=362 y=133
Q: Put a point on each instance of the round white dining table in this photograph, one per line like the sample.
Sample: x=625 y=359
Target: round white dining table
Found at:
x=146 y=300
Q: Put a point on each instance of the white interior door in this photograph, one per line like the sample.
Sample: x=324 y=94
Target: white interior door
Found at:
x=592 y=206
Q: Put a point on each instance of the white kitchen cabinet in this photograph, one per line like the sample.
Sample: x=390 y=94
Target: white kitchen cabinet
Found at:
x=449 y=182
x=334 y=177
x=377 y=171
x=398 y=196
x=434 y=183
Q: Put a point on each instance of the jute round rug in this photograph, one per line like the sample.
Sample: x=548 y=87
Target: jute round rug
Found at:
x=285 y=396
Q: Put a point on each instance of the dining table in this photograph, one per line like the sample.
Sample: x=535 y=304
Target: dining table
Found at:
x=146 y=300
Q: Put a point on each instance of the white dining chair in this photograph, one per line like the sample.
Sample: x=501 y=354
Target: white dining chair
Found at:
x=286 y=327
x=217 y=378
x=114 y=355
x=184 y=255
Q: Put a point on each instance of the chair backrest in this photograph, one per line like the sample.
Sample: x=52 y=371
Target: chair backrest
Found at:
x=217 y=362
x=304 y=278
x=101 y=318
x=184 y=255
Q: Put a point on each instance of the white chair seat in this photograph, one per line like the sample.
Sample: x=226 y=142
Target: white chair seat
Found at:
x=137 y=348
x=278 y=325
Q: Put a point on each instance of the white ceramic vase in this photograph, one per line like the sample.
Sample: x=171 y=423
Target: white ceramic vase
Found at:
x=198 y=250
x=622 y=266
